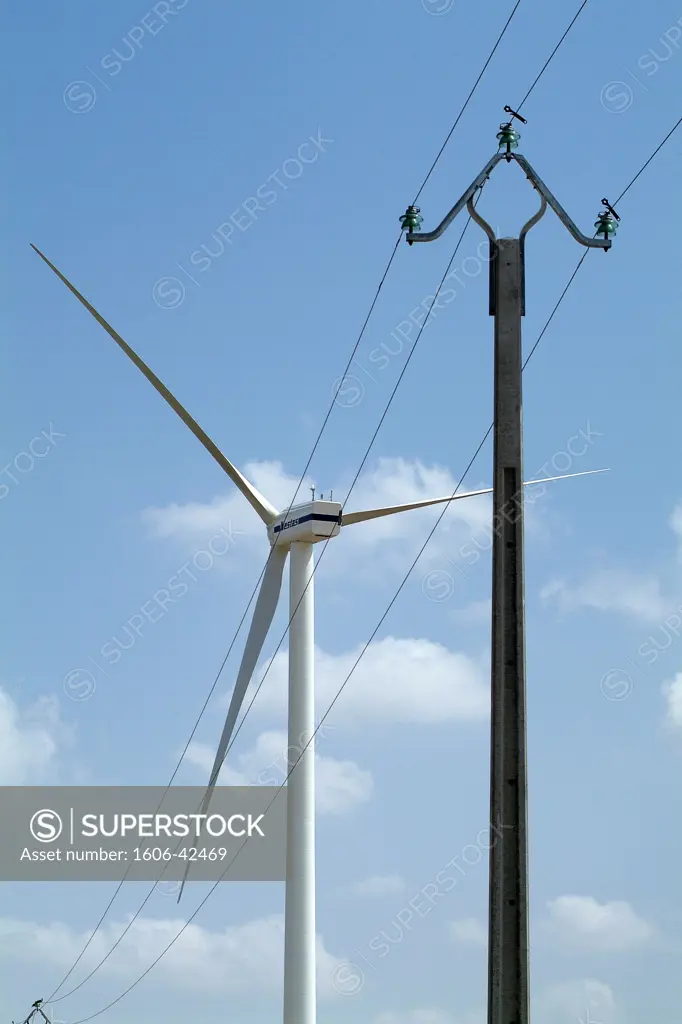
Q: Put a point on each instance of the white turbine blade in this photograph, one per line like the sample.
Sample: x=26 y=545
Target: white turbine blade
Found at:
x=349 y=518
x=265 y=510
x=263 y=614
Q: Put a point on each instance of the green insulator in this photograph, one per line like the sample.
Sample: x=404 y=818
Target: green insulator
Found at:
x=508 y=137
x=606 y=226
x=411 y=220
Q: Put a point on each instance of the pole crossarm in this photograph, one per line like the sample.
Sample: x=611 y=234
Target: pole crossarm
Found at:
x=478 y=182
x=605 y=224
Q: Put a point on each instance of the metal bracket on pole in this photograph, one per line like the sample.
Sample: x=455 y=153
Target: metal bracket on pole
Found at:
x=590 y=243
x=548 y=199
x=478 y=182
x=475 y=215
x=522 y=246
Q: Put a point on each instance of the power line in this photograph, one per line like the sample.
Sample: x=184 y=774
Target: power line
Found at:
x=282 y=638
x=324 y=547
x=217 y=678
x=551 y=315
x=466 y=102
x=36 y=1009
x=355 y=478
x=655 y=153
x=411 y=353
x=485 y=66
x=229 y=651
x=551 y=56
x=302 y=477
x=386 y=612
x=584 y=255
x=175 y=772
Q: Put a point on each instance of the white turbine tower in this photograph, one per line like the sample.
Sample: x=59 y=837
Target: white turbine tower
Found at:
x=292 y=532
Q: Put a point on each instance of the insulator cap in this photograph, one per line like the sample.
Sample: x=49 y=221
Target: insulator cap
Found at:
x=508 y=136
x=605 y=225
x=411 y=219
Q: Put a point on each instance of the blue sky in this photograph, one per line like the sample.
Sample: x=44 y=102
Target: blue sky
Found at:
x=120 y=170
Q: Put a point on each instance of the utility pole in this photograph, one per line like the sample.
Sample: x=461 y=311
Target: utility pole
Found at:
x=508 y=903
x=508 y=941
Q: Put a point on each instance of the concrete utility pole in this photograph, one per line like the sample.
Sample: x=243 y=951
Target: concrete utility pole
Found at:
x=508 y=945
x=508 y=906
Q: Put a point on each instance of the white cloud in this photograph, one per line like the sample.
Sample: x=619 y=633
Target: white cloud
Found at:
x=585 y=1001
x=397 y=481
x=380 y=885
x=612 y=590
x=245 y=958
x=28 y=741
x=581 y=923
x=374 y=551
x=402 y=681
x=195 y=521
x=476 y=612
x=639 y=595
x=672 y=692
x=340 y=785
x=395 y=539
x=469 y=931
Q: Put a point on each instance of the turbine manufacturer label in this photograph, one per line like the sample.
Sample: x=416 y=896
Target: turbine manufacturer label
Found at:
x=317 y=517
x=142 y=833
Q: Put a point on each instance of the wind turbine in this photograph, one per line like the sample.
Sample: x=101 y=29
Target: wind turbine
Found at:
x=294 y=532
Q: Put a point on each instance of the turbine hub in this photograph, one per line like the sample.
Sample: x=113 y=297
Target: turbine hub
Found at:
x=308 y=523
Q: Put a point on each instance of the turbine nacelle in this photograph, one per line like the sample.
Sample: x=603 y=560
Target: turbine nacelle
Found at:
x=309 y=523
